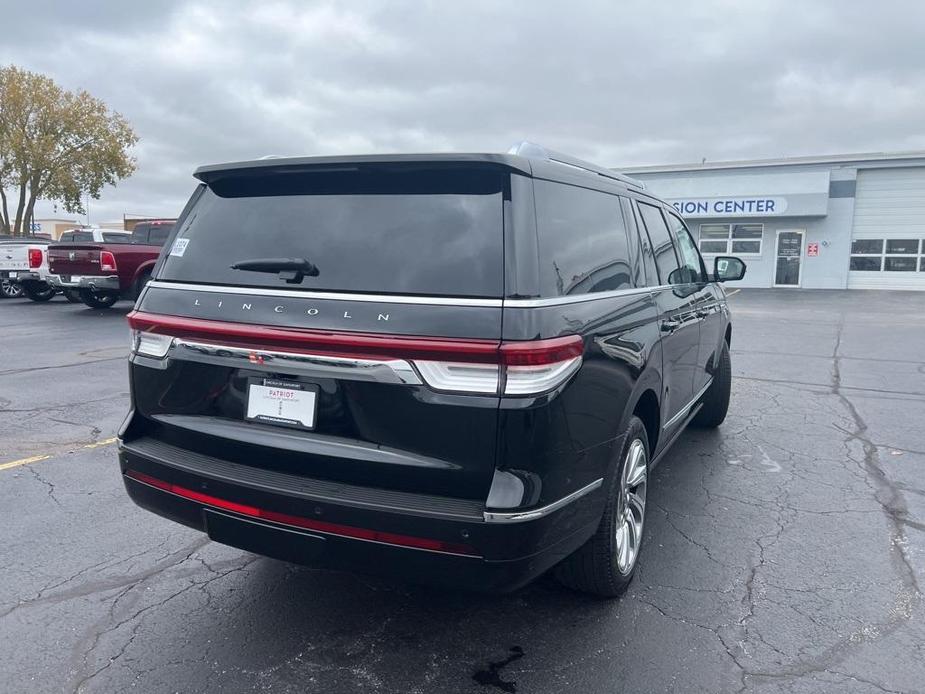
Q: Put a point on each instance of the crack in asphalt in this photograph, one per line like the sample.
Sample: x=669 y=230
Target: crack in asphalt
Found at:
x=111 y=583
x=49 y=485
x=32 y=369
x=106 y=626
x=65 y=406
x=890 y=499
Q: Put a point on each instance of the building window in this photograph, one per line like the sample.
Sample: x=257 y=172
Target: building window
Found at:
x=888 y=255
x=731 y=239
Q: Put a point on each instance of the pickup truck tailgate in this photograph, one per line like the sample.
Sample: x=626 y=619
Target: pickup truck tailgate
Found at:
x=14 y=256
x=74 y=259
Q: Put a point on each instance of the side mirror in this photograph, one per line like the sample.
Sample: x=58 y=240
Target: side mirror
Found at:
x=727 y=268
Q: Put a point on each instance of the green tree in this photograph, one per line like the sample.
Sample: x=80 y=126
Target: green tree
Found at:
x=55 y=145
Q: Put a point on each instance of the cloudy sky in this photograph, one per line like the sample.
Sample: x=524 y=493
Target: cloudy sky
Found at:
x=622 y=83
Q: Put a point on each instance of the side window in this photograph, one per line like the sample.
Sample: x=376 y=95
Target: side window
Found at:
x=140 y=234
x=662 y=247
x=583 y=246
x=640 y=252
x=692 y=270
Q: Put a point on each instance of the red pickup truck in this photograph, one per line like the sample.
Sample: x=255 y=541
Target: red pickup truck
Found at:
x=103 y=273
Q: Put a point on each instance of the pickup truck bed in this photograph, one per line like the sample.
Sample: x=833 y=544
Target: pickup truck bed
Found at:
x=102 y=273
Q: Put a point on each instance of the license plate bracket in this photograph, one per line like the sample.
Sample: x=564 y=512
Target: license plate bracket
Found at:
x=282 y=403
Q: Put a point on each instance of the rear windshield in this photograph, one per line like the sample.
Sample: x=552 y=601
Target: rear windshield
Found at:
x=394 y=232
x=116 y=238
x=151 y=234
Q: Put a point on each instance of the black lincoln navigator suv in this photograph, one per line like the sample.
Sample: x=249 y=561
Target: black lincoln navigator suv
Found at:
x=456 y=368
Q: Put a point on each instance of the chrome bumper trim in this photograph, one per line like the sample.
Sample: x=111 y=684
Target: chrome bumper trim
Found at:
x=533 y=514
x=396 y=371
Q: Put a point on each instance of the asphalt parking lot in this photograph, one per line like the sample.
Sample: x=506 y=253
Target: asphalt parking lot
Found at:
x=785 y=551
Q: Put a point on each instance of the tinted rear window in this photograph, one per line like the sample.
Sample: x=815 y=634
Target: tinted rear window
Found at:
x=582 y=240
x=395 y=232
x=153 y=234
x=115 y=238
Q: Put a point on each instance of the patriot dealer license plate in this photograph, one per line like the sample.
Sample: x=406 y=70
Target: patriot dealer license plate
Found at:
x=282 y=402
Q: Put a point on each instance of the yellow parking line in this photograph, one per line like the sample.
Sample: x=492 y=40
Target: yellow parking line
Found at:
x=39 y=458
x=104 y=442
x=24 y=461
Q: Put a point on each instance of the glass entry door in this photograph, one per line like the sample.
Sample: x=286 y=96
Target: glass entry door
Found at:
x=789 y=258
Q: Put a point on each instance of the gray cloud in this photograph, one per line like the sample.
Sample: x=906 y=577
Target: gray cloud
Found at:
x=622 y=83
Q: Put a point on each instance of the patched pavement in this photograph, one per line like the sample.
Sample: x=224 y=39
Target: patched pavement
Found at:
x=785 y=551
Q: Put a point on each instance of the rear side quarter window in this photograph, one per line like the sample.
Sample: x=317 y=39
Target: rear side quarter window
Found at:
x=582 y=239
x=662 y=247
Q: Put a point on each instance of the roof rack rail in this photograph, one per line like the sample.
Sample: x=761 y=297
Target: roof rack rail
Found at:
x=532 y=150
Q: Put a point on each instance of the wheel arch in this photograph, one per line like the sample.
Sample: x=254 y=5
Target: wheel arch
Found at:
x=146 y=269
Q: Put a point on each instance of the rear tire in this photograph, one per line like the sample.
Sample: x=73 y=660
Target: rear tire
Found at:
x=716 y=399
x=10 y=290
x=72 y=295
x=605 y=564
x=39 y=291
x=98 y=300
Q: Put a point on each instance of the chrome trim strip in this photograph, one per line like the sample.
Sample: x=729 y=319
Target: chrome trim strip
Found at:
x=396 y=371
x=533 y=514
x=399 y=299
x=334 y=296
x=686 y=409
x=580 y=298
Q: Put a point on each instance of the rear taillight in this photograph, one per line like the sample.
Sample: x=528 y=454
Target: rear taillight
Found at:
x=35 y=257
x=488 y=367
x=517 y=368
x=107 y=261
x=151 y=344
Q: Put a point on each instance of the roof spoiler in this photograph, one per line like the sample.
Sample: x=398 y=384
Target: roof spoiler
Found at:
x=532 y=150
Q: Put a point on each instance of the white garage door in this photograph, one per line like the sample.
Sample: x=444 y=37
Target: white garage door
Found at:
x=888 y=239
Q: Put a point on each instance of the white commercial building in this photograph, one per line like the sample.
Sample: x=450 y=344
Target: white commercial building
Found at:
x=854 y=221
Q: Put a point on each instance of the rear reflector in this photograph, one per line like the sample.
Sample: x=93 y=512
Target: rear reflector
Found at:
x=452 y=365
x=348 y=531
x=35 y=257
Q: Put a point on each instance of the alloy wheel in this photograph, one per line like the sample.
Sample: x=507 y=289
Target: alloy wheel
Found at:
x=632 y=506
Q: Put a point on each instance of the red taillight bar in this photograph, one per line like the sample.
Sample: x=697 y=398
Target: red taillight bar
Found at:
x=526 y=353
x=302 y=522
x=540 y=352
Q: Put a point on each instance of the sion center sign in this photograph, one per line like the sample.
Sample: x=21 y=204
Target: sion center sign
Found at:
x=731 y=207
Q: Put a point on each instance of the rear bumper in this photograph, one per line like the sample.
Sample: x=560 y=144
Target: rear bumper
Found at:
x=414 y=537
x=20 y=275
x=94 y=283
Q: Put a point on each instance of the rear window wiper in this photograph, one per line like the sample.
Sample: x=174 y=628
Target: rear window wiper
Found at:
x=293 y=270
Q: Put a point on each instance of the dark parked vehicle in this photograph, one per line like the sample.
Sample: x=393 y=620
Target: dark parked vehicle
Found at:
x=454 y=368
x=103 y=273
